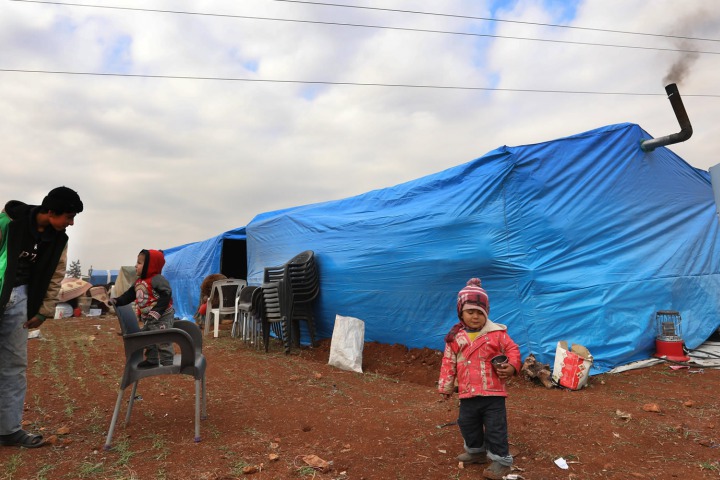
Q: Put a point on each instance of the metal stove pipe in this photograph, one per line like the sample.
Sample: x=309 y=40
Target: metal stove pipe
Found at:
x=682 y=117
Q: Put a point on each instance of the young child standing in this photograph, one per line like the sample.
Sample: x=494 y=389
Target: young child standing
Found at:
x=153 y=304
x=470 y=347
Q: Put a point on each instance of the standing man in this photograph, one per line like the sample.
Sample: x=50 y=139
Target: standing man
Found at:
x=33 y=260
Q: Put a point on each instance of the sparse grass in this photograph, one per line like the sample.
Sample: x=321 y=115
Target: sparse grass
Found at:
x=123 y=449
x=37 y=367
x=37 y=406
x=90 y=470
x=157 y=443
x=43 y=471
x=373 y=377
x=95 y=420
x=70 y=408
x=304 y=472
x=60 y=386
x=213 y=429
x=237 y=467
x=710 y=466
x=12 y=465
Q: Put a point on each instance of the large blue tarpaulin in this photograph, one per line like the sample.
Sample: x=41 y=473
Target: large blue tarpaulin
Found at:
x=582 y=239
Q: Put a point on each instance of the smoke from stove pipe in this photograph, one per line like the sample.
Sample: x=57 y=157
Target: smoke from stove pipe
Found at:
x=682 y=117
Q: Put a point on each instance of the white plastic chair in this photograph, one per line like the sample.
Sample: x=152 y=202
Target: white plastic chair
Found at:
x=241 y=325
x=226 y=291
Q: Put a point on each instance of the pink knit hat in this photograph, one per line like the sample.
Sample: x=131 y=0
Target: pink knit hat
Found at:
x=473 y=296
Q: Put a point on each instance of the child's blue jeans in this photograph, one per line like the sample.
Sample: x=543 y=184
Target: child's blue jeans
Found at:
x=483 y=425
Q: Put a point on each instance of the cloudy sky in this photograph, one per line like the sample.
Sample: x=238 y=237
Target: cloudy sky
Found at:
x=178 y=120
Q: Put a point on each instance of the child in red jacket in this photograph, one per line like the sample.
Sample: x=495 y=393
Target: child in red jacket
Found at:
x=153 y=304
x=470 y=348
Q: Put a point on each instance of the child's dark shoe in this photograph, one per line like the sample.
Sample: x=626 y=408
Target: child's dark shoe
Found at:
x=146 y=364
x=472 y=457
x=496 y=471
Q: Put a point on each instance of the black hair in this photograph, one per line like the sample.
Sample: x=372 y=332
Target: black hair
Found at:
x=62 y=200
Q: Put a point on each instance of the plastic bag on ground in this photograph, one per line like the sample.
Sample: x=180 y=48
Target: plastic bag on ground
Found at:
x=347 y=343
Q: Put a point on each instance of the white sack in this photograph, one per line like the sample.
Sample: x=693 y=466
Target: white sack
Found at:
x=347 y=343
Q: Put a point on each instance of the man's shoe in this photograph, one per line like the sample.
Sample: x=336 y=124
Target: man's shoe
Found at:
x=146 y=364
x=473 y=457
x=496 y=471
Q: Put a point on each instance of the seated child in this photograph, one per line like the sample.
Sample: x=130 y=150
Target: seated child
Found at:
x=153 y=304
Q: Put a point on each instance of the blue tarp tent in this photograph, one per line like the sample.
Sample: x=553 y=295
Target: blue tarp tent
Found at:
x=187 y=265
x=581 y=239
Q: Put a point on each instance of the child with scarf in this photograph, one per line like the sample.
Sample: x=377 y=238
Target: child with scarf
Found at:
x=470 y=347
x=153 y=304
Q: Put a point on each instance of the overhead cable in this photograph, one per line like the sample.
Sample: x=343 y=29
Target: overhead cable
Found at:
x=359 y=25
x=499 y=20
x=355 y=84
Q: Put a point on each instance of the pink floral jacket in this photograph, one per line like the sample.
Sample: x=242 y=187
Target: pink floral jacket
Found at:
x=469 y=362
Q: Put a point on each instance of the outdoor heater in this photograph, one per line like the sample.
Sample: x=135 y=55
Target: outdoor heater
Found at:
x=669 y=344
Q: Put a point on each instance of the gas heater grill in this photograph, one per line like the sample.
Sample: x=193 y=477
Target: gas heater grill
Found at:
x=669 y=344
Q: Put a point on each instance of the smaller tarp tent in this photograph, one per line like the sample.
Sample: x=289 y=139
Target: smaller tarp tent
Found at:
x=102 y=277
x=187 y=265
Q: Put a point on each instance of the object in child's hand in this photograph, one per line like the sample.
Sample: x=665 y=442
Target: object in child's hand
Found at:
x=499 y=360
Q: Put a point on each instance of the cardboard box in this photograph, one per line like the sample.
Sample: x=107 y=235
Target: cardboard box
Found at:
x=572 y=366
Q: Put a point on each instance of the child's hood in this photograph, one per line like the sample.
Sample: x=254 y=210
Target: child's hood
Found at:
x=491 y=326
x=154 y=263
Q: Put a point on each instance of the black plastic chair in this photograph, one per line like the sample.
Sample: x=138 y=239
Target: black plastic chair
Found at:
x=301 y=286
x=190 y=361
x=304 y=287
x=275 y=313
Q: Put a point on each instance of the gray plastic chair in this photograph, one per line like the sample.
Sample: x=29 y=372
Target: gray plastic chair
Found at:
x=190 y=361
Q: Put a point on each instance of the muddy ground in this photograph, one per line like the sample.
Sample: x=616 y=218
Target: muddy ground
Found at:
x=269 y=412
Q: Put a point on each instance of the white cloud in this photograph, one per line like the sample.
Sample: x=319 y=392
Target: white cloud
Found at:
x=160 y=162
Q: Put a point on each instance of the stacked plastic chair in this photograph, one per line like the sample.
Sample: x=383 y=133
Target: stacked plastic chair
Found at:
x=275 y=313
x=304 y=286
x=297 y=284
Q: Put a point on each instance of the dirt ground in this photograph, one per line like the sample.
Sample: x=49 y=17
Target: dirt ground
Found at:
x=268 y=412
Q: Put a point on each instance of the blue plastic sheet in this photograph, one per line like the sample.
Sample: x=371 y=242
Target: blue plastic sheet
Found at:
x=581 y=239
x=187 y=265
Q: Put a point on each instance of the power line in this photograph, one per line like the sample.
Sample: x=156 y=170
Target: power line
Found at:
x=487 y=19
x=357 y=25
x=354 y=84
